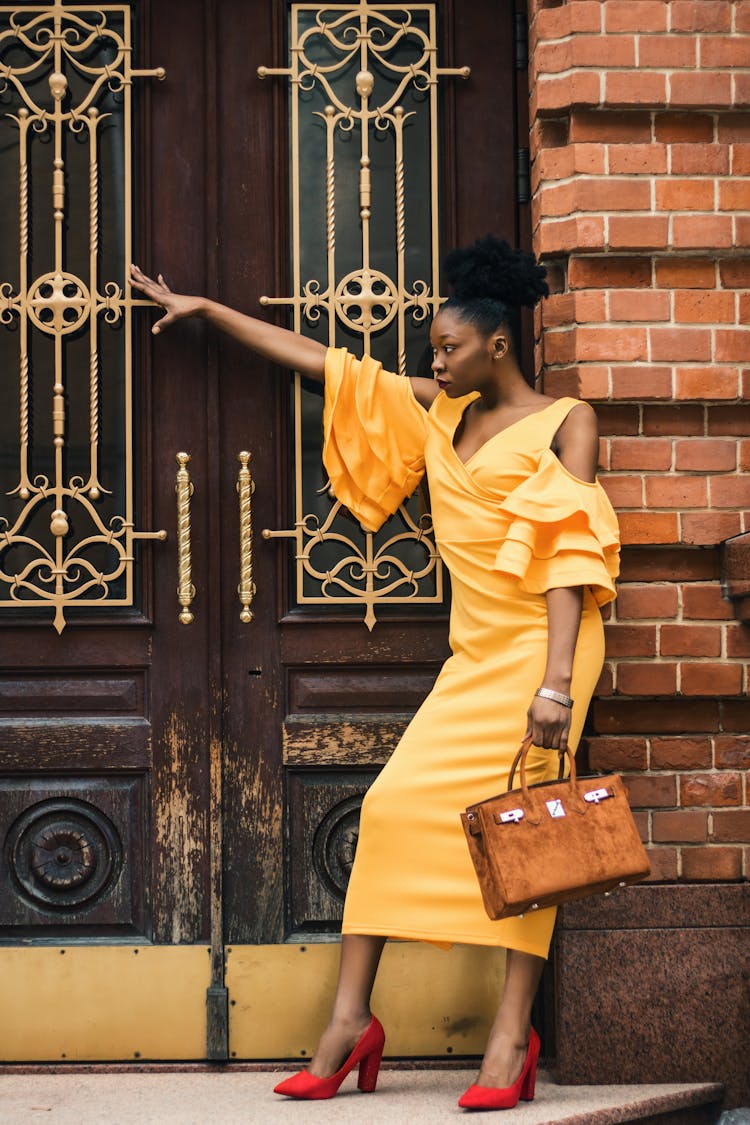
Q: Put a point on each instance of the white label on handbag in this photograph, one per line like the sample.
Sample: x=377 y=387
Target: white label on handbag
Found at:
x=555 y=808
x=511 y=817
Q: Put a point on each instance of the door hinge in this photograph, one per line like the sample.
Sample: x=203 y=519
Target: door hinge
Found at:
x=217 y=1023
x=521 y=40
x=523 y=176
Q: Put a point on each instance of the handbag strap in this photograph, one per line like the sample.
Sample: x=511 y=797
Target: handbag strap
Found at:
x=520 y=757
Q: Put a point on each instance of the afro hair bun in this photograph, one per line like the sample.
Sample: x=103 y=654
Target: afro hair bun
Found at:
x=492 y=269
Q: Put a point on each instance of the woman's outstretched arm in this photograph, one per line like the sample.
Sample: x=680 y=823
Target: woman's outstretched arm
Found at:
x=289 y=349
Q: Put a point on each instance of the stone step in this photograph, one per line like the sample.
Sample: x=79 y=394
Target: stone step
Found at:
x=242 y=1095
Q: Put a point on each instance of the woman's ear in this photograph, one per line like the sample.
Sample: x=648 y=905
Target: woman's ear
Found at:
x=500 y=345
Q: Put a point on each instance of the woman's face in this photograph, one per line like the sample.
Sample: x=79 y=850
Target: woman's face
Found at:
x=463 y=359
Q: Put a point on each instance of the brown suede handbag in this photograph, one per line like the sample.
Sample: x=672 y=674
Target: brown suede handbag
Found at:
x=552 y=842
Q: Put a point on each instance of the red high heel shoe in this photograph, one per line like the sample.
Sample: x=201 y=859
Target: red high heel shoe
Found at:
x=367 y=1051
x=492 y=1097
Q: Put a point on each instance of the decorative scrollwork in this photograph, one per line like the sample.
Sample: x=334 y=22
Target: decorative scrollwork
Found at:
x=335 y=844
x=64 y=853
x=353 y=68
x=56 y=62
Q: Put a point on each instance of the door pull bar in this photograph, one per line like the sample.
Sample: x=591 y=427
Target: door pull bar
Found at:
x=245 y=490
x=185 y=587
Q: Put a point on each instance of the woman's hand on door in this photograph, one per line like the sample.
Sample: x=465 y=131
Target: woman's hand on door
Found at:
x=176 y=306
x=288 y=349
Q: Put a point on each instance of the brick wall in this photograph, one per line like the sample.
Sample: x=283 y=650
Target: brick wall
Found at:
x=640 y=145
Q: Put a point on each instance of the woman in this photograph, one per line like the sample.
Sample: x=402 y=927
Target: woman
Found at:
x=531 y=543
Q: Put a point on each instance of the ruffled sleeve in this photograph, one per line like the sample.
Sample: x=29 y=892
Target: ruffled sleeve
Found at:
x=374 y=433
x=561 y=531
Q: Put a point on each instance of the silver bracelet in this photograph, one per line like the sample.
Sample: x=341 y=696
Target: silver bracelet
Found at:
x=556 y=696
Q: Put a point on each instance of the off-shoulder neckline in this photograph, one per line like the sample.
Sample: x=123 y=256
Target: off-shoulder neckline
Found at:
x=499 y=433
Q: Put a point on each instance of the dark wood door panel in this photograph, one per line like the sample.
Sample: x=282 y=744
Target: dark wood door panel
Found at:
x=74 y=857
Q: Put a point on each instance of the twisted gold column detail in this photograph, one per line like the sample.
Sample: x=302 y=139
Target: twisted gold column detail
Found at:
x=185 y=587
x=245 y=489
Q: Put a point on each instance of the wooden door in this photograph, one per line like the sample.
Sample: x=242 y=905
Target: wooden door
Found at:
x=181 y=765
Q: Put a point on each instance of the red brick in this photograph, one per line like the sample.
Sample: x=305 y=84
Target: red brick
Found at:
x=579 y=87
x=686 y=273
x=734 y=127
x=663 y=716
x=711 y=863
x=675 y=344
x=648 y=527
x=732 y=345
x=701 y=89
x=603 y=50
x=624 y=491
x=610 y=194
x=700 y=15
x=632 y=158
x=640 y=232
x=734 y=195
x=696 y=306
x=604 y=683
x=730 y=491
x=738 y=636
x=742 y=18
x=703 y=678
x=690 y=640
x=681 y=826
x=676 y=564
x=607 y=127
x=658 y=420
x=561 y=163
x=705 y=382
x=709 y=454
x=717 y=789
x=733 y=752
x=556 y=22
x=706 y=528
x=698 y=231
x=685 y=195
x=741 y=160
x=729 y=419
x=618 y=754
x=744 y=456
x=647 y=600
x=608 y=272
x=680 y=753
x=641 y=453
x=641 y=382
x=667 y=51
x=741 y=89
x=731 y=826
x=652 y=678
x=650 y=15
x=635 y=88
x=640 y=304
x=704 y=601
x=641 y=820
x=652 y=792
x=683 y=127
x=567 y=235
x=617 y=419
x=728 y=51
x=735 y=714
x=735 y=273
x=610 y=344
x=701 y=160
x=663 y=865
x=630 y=640
x=676 y=492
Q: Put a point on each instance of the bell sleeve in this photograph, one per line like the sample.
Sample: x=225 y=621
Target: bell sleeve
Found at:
x=374 y=433
x=561 y=531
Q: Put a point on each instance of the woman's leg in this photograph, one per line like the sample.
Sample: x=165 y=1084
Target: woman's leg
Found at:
x=360 y=957
x=509 y=1037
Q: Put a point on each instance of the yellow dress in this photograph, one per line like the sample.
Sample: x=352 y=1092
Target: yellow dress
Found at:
x=510 y=524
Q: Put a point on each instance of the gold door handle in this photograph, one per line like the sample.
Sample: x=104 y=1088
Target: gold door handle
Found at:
x=185 y=587
x=245 y=490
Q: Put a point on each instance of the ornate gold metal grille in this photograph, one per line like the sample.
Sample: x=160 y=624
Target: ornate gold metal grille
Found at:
x=364 y=79
x=59 y=64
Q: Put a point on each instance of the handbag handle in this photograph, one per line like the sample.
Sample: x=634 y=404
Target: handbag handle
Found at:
x=520 y=758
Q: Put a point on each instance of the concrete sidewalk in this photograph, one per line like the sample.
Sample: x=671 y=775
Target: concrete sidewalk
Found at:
x=246 y=1098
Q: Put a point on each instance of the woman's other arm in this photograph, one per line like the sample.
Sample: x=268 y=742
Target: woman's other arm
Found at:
x=289 y=349
x=577 y=446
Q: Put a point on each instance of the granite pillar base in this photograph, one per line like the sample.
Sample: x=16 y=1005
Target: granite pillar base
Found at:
x=653 y=985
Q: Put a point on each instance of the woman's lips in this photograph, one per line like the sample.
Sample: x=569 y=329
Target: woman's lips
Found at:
x=442 y=383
